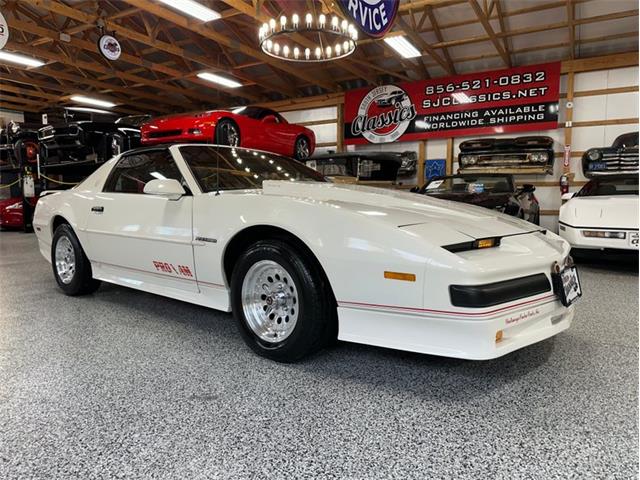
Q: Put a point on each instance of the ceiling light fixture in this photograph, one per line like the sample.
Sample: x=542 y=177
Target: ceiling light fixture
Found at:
x=212 y=77
x=92 y=101
x=20 y=59
x=194 y=9
x=89 y=110
x=403 y=47
x=326 y=39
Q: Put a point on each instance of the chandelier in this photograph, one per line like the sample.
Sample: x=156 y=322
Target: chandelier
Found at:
x=315 y=40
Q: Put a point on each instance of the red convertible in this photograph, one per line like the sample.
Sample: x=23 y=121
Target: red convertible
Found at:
x=249 y=127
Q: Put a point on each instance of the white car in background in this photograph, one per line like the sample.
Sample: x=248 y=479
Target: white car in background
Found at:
x=301 y=261
x=603 y=215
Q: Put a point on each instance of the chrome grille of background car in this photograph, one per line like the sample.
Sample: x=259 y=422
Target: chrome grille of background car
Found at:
x=619 y=162
x=506 y=159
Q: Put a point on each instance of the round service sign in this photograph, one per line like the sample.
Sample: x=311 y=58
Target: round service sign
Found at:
x=109 y=47
x=384 y=114
x=4 y=31
x=374 y=17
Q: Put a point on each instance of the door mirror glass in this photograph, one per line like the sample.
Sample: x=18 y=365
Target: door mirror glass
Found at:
x=168 y=187
x=567 y=196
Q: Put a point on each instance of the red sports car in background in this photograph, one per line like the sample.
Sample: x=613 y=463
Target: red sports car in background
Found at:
x=11 y=212
x=249 y=127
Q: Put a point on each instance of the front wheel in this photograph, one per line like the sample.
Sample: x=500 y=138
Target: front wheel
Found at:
x=227 y=133
x=302 y=149
x=281 y=302
x=71 y=267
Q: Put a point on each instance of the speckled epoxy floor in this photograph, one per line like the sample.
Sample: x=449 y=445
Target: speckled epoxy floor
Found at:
x=123 y=384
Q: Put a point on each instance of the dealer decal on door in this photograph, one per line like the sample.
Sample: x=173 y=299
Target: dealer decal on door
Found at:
x=181 y=270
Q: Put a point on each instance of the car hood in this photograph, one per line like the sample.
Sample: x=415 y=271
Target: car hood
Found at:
x=448 y=221
x=613 y=211
x=487 y=200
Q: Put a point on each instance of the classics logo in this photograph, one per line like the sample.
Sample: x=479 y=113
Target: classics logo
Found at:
x=384 y=114
x=109 y=47
x=374 y=17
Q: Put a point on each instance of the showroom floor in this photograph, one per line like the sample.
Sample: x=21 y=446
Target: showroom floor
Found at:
x=126 y=384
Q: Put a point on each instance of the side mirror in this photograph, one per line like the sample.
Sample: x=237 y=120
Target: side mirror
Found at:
x=567 y=196
x=169 y=188
x=414 y=189
x=270 y=119
x=528 y=188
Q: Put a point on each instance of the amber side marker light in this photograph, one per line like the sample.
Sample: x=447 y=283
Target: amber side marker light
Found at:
x=474 y=245
x=498 y=336
x=407 y=277
x=486 y=243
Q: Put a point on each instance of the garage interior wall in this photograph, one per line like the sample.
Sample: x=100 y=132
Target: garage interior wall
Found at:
x=605 y=105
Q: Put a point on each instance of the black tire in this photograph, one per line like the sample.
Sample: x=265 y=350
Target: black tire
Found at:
x=316 y=324
x=82 y=281
x=302 y=145
x=25 y=151
x=223 y=132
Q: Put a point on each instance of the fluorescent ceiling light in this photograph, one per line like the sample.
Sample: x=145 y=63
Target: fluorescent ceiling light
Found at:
x=92 y=101
x=193 y=8
x=212 y=77
x=90 y=110
x=20 y=59
x=403 y=47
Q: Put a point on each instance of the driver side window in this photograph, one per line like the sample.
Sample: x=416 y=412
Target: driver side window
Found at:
x=133 y=171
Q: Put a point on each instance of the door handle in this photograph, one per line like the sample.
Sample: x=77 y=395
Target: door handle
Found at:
x=97 y=209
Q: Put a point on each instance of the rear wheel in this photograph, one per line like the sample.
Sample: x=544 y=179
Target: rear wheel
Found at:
x=282 y=304
x=302 y=148
x=227 y=133
x=71 y=267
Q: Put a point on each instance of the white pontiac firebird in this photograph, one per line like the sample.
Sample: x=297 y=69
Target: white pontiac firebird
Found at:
x=301 y=261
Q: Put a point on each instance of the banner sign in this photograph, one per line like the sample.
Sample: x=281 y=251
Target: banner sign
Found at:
x=500 y=101
x=374 y=17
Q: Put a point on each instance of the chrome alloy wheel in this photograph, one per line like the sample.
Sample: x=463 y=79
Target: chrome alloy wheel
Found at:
x=302 y=149
x=230 y=133
x=65 y=259
x=270 y=301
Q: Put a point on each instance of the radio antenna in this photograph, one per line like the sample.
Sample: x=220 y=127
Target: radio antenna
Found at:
x=217 y=170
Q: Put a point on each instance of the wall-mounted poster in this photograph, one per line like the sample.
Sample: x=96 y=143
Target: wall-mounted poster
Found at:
x=500 y=101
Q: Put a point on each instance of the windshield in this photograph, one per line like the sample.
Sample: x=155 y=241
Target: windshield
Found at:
x=134 y=120
x=224 y=168
x=601 y=187
x=470 y=184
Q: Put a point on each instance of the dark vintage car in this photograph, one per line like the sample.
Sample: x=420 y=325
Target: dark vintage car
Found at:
x=19 y=144
x=620 y=157
x=85 y=140
x=519 y=155
x=391 y=99
x=365 y=166
x=494 y=191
